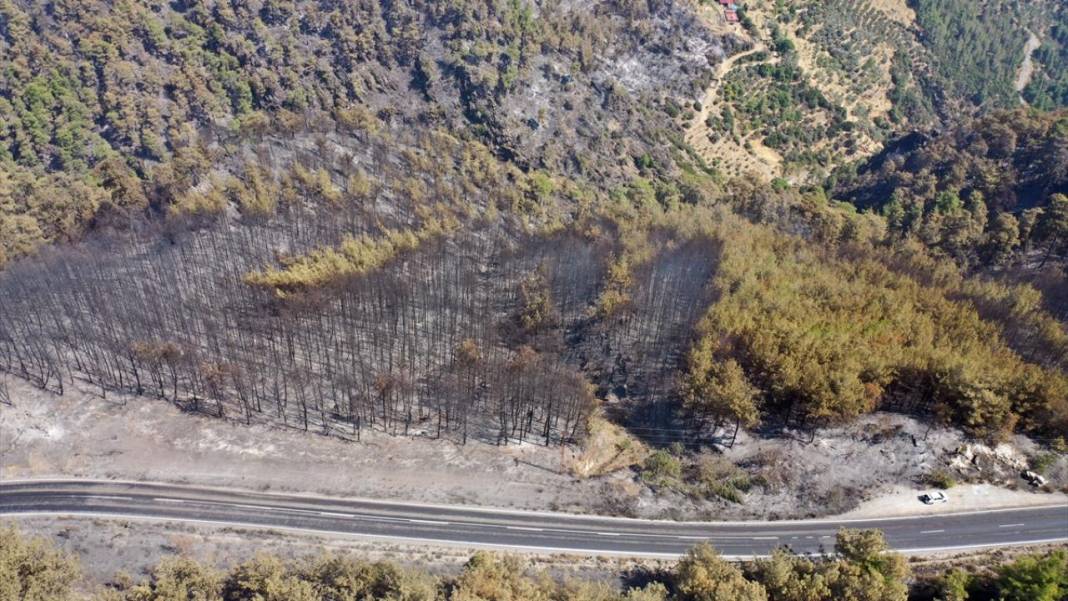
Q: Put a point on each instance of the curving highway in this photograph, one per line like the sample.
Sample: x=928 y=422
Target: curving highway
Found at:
x=519 y=530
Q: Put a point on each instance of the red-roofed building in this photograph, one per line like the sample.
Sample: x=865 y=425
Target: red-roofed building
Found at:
x=732 y=16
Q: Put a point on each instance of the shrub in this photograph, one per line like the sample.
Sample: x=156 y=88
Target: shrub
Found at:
x=32 y=569
x=661 y=467
x=941 y=479
x=1043 y=461
x=1035 y=578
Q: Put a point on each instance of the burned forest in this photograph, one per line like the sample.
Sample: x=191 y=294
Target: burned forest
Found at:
x=473 y=329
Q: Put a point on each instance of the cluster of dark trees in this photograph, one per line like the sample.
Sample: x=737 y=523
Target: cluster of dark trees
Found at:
x=976 y=47
x=475 y=331
x=479 y=326
x=989 y=192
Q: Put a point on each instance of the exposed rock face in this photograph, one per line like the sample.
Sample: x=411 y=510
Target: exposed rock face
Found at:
x=976 y=460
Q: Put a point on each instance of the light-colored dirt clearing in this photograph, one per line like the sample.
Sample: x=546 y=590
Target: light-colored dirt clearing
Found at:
x=803 y=475
x=1027 y=67
x=897 y=10
x=730 y=157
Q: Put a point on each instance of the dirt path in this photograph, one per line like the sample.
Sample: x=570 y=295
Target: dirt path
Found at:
x=1027 y=68
x=733 y=158
x=713 y=89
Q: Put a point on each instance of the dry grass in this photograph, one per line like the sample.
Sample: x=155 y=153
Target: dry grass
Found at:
x=608 y=448
x=873 y=99
x=733 y=157
x=897 y=10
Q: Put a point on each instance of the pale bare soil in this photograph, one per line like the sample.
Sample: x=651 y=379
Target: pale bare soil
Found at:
x=897 y=10
x=873 y=99
x=901 y=501
x=744 y=155
x=731 y=157
x=82 y=435
x=1027 y=67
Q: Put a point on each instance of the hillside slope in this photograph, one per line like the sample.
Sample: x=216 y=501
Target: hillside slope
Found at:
x=832 y=82
x=109 y=107
x=619 y=223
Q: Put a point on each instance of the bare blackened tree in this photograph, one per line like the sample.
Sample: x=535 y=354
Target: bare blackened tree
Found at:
x=482 y=331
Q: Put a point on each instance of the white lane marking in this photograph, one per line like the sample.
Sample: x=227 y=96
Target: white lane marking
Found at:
x=607 y=534
x=290 y=510
x=571 y=551
x=108 y=498
x=266 y=508
x=1009 y=525
x=931 y=531
x=525 y=528
x=256 y=507
x=296 y=510
x=499 y=511
x=241 y=505
x=371 y=518
x=725 y=537
x=434 y=522
x=259 y=507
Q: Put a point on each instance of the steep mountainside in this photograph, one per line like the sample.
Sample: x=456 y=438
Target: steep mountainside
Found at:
x=113 y=106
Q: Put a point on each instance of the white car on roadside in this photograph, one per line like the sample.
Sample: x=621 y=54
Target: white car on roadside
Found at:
x=933 y=498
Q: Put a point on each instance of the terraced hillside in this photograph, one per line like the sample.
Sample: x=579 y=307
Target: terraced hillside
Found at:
x=824 y=83
x=829 y=83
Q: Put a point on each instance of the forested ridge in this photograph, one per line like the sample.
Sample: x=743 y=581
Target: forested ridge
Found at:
x=859 y=567
x=989 y=195
x=481 y=219
x=979 y=193
x=109 y=109
x=977 y=49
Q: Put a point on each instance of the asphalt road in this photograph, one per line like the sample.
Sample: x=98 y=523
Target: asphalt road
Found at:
x=544 y=532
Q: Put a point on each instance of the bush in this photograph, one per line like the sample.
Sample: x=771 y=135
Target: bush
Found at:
x=32 y=569
x=1042 y=462
x=1035 y=578
x=661 y=467
x=718 y=477
x=941 y=479
x=726 y=491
